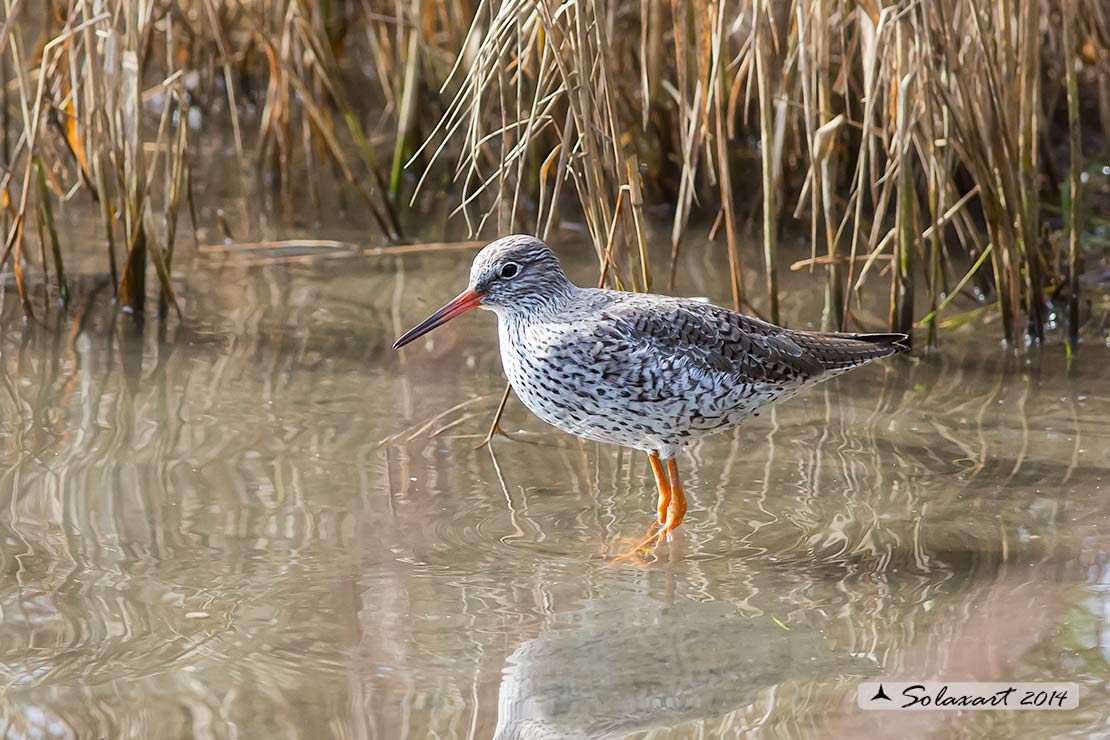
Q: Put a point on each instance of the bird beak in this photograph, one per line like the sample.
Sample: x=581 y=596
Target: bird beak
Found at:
x=461 y=303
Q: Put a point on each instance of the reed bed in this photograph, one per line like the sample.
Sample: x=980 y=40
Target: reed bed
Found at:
x=935 y=145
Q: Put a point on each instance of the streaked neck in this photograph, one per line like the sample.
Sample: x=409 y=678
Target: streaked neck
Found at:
x=538 y=305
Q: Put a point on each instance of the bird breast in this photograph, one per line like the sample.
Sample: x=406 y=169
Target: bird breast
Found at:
x=562 y=383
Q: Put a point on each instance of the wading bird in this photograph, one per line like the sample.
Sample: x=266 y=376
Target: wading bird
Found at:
x=645 y=371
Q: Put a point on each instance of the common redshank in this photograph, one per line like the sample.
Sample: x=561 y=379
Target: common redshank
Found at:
x=645 y=371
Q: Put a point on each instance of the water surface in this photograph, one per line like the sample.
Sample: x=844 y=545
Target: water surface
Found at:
x=261 y=522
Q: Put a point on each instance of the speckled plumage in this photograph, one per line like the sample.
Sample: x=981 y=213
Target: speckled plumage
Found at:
x=644 y=371
x=647 y=371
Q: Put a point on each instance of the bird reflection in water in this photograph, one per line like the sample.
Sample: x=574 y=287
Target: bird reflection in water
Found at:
x=633 y=664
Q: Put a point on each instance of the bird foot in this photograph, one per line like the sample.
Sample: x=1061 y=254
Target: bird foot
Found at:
x=644 y=548
x=639 y=552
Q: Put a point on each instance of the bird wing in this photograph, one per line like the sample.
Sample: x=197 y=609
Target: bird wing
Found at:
x=642 y=340
x=701 y=336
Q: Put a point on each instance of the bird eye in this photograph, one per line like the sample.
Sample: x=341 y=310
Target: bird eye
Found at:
x=509 y=269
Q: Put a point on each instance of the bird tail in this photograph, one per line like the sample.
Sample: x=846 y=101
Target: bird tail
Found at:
x=837 y=352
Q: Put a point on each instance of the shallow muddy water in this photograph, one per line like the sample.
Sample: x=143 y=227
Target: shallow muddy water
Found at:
x=261 y=522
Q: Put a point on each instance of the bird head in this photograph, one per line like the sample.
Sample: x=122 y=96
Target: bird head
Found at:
x=515 y=274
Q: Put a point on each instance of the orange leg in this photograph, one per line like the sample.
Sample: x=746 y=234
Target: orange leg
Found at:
x=671 y=507
x=676 y=511
x=663 y=484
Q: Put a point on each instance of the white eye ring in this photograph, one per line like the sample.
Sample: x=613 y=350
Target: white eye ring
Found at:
x=510 y=270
